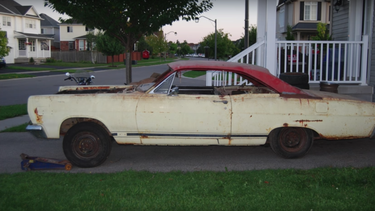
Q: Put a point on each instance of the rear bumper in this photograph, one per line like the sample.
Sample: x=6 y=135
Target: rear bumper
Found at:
x=37 y=131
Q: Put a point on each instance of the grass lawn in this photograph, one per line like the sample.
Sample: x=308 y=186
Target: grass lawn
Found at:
x=14 y=75
x=36 y=68
x=16 y=129
x=194 y=74
x=12 y=111
x=316 y=189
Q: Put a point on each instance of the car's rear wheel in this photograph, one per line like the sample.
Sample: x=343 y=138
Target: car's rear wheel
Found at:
x=87 y=145
x=291 y=142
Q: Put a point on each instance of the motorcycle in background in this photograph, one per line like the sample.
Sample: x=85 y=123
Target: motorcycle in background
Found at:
x=80 y=77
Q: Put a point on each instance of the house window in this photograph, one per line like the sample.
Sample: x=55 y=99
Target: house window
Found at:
x=81 y=45
x=21 y=45
x=32 y=45
x=6 y=21
x=42 y=31
x=282 y=17
x=44 y=45
x=310 y=11
x=31 y=24
x=69 y=29
x=71 y=45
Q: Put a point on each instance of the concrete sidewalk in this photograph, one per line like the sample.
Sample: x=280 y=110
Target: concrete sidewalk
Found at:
x=8 y=123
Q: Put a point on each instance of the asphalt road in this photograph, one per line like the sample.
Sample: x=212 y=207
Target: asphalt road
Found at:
x=16 y=91
x=353 y=153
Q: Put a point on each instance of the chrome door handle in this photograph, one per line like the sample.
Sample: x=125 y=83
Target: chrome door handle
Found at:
x=218 y=101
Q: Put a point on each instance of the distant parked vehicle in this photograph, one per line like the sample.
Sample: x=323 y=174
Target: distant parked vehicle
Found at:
x=2 y=62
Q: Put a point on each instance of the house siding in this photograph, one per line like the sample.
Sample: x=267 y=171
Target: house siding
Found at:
x=372 y=70
x=340 y=23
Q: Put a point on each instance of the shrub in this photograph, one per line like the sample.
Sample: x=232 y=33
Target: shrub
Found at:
x=50 y=60
x=31 y=60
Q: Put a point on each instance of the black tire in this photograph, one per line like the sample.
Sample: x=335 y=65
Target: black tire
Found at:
x=87 y=145
x=295 y=78
x=302 y=86
x=291 y=142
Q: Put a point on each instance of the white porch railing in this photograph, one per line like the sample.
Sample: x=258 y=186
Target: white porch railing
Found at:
x=343 y=62
x=251 y=55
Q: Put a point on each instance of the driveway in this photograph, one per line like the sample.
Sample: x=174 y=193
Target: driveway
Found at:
x=353 y=153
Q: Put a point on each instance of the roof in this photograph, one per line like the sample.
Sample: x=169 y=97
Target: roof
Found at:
x=306 y=27
x=13 y=8
x=37 y=36
x=253 y=72
x=48 y=21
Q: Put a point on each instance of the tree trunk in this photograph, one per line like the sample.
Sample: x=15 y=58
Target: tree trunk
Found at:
x=128 y=67
x=128 y=71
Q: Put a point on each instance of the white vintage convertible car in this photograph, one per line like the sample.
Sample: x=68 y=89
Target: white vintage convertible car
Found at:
x=243 y=105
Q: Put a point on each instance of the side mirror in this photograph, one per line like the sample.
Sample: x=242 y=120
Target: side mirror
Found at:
x=174 y=91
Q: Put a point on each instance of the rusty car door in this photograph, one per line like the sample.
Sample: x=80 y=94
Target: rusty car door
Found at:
x=184 y=119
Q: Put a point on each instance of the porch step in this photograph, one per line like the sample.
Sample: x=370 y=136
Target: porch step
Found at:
x=362 y=92
x=21 y=60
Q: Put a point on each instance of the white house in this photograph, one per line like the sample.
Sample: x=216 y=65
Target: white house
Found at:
x=22 y=25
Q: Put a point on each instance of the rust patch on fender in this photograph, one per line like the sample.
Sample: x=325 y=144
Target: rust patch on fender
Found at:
x=39 y=118
x=285 y=125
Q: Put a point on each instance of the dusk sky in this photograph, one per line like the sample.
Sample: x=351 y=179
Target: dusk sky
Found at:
x=230 y=15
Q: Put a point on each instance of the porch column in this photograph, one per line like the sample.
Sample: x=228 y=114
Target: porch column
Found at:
x=27 y=48
x=49 y=48
x=37 y=47
x=266 y=30
x=355 y=20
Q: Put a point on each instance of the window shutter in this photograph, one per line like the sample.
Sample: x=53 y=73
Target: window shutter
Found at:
x=302 y=11
x=319 y=16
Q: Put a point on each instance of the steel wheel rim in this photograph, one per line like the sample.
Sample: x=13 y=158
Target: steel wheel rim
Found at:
x=292 y=139
x=86 y=145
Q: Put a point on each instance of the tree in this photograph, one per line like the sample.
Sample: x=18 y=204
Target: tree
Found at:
x=128 y=20
x=185 y=48
x=323 y=32
x=157 y=42
x=109 y=46
x=91 y=40
x=143 y=45
x=172 y=47
x=289 y=33
x=225 y=47
x=252 y=38
x=4 y=49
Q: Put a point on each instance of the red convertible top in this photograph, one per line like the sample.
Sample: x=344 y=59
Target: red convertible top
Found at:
x=256 y=73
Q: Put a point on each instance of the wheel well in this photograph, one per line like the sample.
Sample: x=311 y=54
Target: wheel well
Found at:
x=68 y=123
x=275 y=131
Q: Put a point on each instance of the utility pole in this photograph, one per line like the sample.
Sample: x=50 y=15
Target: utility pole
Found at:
x=246 y=24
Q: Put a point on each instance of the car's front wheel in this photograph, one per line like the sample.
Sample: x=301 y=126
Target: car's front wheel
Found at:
x=291 y=142
x=87 y=145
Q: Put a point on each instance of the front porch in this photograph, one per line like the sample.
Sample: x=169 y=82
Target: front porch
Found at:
x=346 y=62
x=336 y=62
x=33 y=46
